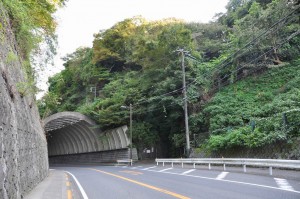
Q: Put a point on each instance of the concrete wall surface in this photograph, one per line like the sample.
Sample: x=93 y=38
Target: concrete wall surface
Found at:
x=94 y=157
x=23 y=145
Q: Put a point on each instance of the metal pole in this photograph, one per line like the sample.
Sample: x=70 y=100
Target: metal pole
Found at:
x=187 y=133
x=94 y=90
x=130 y=110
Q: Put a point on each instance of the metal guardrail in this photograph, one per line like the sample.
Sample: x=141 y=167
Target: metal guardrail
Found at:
x=278 y=163
x=129 y=161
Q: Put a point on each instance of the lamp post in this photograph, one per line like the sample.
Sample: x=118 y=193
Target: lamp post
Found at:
x=130 y=129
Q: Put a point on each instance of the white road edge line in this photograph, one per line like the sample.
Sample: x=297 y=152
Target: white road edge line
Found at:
x=231 y=181
x=149 y=168
x=283 y=184
x=79 y=186
x=165 y=169
x=222 y=175
x=186 y=172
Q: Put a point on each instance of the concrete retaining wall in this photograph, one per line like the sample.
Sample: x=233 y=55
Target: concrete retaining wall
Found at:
x=93 y=157
x=23 y=146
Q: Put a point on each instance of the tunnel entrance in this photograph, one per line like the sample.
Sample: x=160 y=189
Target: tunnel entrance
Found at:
x=73 y=137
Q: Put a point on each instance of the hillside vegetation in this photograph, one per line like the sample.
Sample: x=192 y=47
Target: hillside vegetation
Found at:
x=257 y=111
x=242 y=68
x=33 y=24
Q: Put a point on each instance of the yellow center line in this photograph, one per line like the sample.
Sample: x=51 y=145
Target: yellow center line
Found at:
x=68 y=183
x=144 y=185
x=132 y=172
x=69 y=194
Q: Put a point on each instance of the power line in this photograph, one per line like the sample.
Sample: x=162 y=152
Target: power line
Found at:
x=278 y=46
x=221 y=65
x=248 y=45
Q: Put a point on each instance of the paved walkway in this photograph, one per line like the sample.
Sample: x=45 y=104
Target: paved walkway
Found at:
x=58 y=185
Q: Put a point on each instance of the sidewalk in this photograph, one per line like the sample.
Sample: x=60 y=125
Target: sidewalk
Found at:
x=56 y=186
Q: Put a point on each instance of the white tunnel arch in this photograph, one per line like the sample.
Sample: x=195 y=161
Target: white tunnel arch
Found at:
x=73 y=132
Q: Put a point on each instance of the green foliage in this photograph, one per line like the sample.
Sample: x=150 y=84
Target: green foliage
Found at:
x=11 y=57
x=134 y=63
x=48 y=104
x=178 y=139
x=26 y=88
x=143 y=135
x=243 y=137
x=211 y=39
x=32 y=21
x=1 y=32
x=260 y=19
x=262 y=99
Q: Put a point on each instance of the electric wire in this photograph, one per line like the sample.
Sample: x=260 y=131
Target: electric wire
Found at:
x=276 y=47
x=257 y=58
x=219 y=66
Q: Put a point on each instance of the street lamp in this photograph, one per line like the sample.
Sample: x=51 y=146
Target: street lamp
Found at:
x=130 y=129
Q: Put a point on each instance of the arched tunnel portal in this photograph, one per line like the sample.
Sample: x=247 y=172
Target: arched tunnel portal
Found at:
x=73 y=137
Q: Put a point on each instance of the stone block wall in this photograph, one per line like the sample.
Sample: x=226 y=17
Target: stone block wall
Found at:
x=23 y=145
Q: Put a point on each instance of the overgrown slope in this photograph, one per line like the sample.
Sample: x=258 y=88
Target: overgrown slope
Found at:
x=258 y=111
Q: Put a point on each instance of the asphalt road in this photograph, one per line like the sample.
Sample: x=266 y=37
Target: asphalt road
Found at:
x=151 y=181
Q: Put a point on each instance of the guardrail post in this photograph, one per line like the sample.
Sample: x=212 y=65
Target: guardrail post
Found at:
x=266 y=163
x=130 y=162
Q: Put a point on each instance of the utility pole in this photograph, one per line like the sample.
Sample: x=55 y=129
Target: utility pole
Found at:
x=186 y=119
x=130 y=112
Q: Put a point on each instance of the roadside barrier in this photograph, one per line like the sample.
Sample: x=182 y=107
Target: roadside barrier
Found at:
x=278 y=163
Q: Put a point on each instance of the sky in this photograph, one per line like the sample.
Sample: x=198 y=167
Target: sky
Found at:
x=79 y=20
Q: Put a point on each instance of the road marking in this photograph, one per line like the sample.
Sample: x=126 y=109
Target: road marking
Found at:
x=283 y=184
x=230 y=181
x=68 y=183
x=176 y=195
x=133 y=167
x=124 y=166
x=222 y=175
x=189 y=171
x=79 y=186
x=165 y=169
x=132 y=172
x=69 y=193
x=149 y=168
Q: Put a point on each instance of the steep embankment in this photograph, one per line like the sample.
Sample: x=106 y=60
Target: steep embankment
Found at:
x=258 y=116
x=23 y=146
